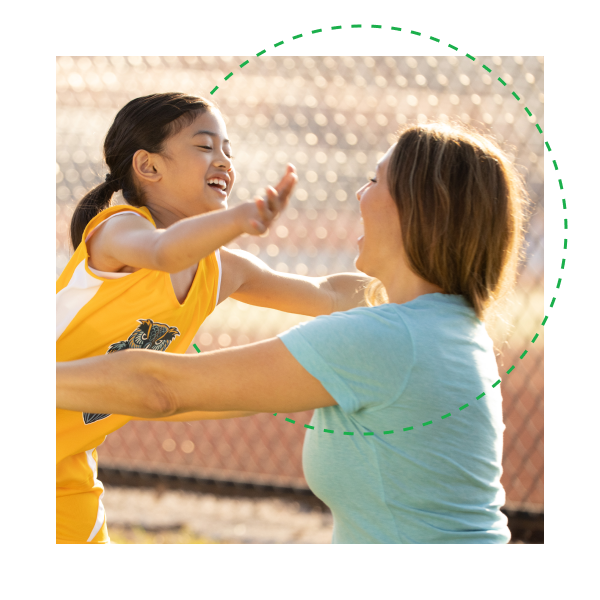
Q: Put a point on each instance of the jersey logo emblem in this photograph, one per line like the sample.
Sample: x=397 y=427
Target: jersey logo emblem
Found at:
x=148 y=336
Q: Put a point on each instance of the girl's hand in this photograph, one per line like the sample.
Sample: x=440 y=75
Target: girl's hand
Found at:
x=254 y=217
x=279 y=195
x=257 y=216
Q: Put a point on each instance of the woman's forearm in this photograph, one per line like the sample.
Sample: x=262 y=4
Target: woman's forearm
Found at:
x=260 y=377
x=188 y=241
x=123 y=383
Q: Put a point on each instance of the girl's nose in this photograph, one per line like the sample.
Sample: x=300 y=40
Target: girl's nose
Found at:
x=224 y=161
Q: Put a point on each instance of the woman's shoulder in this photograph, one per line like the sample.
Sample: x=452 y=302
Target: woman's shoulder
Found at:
x=367 y=326
x=438 y=315
x=424 y=307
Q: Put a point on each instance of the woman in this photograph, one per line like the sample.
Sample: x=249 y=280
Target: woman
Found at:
x=443 y=230
x=150 y=282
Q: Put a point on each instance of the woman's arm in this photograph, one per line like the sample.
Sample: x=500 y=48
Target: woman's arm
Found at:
x=260 y=377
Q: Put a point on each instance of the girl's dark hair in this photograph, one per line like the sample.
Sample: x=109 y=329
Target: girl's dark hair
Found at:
x=143 y=124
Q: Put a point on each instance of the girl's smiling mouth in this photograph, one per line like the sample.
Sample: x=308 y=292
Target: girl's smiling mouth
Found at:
x=219 y=185
x=218 y=191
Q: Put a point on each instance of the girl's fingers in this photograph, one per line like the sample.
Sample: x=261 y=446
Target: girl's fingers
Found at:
x=275 y=207
x=272 y=197
x=288 y=185
x=290 y=168
x=269 y=200
x=260 y=227
x=264 y=210
x=288 y=180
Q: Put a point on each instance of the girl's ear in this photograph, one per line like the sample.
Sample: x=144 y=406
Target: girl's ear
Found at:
x=145 y=166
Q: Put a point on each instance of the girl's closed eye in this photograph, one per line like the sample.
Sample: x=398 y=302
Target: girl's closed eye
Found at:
x=229 y=156
x=372 y=179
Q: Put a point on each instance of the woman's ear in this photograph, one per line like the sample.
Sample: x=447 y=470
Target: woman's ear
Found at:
x=145 y=166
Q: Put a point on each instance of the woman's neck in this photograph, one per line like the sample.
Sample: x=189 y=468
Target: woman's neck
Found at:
x=405 y=285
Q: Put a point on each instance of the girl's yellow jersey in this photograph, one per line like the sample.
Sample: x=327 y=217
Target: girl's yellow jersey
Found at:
x=99 y=313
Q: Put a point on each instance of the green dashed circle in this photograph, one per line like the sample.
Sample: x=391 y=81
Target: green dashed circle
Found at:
x=548 y=148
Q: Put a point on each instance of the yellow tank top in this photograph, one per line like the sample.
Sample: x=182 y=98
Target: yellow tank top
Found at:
x=99 y=313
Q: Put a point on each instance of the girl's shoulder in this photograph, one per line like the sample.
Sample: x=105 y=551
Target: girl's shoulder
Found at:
x=114 y=211
x=110 y=227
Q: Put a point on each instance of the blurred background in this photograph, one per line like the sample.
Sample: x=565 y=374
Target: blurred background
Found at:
x=333 y=118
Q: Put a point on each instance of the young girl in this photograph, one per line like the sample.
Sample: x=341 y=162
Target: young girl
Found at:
x=149 y=282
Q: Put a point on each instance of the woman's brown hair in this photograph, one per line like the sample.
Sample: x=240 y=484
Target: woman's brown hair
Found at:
x=143 y=124
x=462 y=207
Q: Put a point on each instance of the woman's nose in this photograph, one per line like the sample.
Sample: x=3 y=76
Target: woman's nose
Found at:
x=360 y=192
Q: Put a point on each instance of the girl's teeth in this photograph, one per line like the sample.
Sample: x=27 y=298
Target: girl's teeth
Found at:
x=218 y=182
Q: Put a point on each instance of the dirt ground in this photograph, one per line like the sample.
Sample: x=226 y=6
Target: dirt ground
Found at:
x=141 y=515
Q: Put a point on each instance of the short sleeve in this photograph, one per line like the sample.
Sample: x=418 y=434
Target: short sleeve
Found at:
x=363 y=357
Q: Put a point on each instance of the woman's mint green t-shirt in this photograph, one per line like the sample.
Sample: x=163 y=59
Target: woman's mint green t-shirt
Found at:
x=392 y=369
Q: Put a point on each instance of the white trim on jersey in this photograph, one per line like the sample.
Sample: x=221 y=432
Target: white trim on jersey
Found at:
x=81 y=288
x=108 y=274
x=218 y=255
x=100 y=515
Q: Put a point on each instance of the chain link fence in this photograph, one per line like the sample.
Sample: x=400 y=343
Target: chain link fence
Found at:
x=333 y=118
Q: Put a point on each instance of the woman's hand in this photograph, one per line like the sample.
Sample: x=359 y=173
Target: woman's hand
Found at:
x=257 y=216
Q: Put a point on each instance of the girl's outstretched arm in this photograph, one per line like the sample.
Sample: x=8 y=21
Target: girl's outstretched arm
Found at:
x=198 y=415
x=260 y=377
x=136 y=243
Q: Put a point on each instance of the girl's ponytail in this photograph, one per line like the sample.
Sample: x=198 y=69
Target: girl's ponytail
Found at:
x=92 y=204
